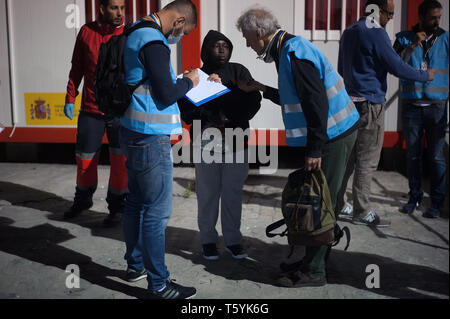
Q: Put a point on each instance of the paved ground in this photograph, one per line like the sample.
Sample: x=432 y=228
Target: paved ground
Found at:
x=36 y=245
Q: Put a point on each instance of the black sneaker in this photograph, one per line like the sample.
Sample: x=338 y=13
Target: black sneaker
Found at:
x=300 y=279
x=135 y=275
x=112 y=219
x=77 y=209
x=287 y=268
x=237 y=251
x=371 y=219
x=432 y=212
x=174 y=291
x=412 y=204
x=210 y=252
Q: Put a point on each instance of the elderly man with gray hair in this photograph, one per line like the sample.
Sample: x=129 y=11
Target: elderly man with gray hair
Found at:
x=317 y=113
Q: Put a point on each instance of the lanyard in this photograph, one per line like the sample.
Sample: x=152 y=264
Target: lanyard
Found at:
x=156 y=18
x=428 y=50
x=279 y=44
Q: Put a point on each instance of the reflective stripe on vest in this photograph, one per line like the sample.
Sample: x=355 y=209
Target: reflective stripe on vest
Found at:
x=146 y=114
x=152 y=118
x=342 y=113
x=334 y=90
x=332 y=121
x=144 y=90
x=431 y=89
x=437 y=57
x=441 y=71
x=296 y=132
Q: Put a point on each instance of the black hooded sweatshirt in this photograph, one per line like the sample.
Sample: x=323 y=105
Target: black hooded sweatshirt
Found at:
x=231 y=110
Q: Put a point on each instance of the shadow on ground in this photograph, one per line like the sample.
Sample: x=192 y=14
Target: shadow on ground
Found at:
x=398 y=280
x=41 y=244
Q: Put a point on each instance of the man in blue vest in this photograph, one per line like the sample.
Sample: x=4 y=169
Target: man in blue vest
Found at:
x=365 y=57
x=151 y=118
x=425 y=105
x=317 y=113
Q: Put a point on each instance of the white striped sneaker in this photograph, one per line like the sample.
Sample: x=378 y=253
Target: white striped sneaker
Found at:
x=371 y=219
x=174 y=291
x=346 y=212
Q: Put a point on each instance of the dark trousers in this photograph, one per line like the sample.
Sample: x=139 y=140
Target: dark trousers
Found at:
x=429 y=121
x=90 y=132
x=335 y=156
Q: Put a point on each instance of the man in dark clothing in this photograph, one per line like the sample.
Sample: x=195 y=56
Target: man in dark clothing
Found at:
x=317 y=113
x=365 y=58
x=92 y=124
x=222 y=179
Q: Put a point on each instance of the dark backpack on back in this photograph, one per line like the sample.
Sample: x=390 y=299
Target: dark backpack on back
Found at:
x=112 y=93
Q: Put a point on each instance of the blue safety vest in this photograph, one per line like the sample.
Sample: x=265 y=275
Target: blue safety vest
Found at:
x=437 y=59
x=342 y=113
x=146 y=114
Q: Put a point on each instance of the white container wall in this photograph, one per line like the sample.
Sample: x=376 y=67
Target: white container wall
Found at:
x=37 y=40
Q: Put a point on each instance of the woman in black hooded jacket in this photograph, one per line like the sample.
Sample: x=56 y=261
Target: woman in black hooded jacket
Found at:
x=220 y=179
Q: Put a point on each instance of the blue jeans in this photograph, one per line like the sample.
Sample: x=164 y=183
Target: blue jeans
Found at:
x=148 y=205
x=431 y=120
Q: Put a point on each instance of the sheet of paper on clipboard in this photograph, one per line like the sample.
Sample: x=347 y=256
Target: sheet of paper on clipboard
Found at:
x=206 y=90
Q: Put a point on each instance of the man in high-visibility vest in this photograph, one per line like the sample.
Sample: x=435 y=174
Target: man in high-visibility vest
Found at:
x=425 y=105
x=152 y=116
x=317 y=113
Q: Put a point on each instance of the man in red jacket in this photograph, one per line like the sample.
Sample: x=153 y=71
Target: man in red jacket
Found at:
x=91 y=122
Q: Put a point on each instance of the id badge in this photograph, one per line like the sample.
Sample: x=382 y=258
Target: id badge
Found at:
x=424 y=66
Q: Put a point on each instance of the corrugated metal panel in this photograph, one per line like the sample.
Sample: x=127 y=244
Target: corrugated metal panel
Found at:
x=134 y=9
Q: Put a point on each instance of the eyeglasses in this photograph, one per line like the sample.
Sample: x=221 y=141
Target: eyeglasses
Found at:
x=389 y=13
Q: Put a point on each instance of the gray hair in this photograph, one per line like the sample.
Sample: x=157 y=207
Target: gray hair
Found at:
x=256 y=19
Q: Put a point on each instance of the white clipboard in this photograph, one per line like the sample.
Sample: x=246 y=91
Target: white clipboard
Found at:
x=206 y=90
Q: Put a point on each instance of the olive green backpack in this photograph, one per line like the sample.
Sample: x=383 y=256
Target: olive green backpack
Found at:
x=307 y=211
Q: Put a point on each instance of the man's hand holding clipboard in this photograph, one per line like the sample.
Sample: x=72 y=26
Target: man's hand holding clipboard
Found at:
x=206 y=87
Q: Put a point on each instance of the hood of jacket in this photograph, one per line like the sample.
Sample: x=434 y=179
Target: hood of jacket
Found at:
x=211 y=38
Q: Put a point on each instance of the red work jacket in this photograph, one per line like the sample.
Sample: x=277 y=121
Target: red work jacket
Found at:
x=84 y=61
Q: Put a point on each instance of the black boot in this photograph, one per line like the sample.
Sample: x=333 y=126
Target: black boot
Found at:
x=115 y=207
x=113 y=219
x=82 y=201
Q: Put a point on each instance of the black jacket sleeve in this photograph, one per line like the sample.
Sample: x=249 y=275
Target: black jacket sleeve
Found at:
x=156 y=59
x=314 y=101
x=189 y=112
x=272 y=94
x=239 y=106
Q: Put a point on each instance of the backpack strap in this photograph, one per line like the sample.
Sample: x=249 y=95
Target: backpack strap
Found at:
x=339 y=233
x=135 y=86
x=143 y=24
x=274 y=226
x=346 y=230
x=130 y=29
